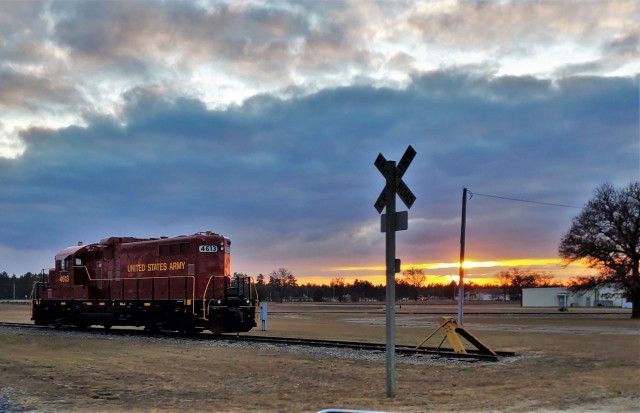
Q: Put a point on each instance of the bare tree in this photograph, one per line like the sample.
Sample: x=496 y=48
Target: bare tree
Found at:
x=261 y=287
x=414 y=277
x=337 y=287
x=281 y=280
x=606 y=235
x=515 y=279
x=505 y=283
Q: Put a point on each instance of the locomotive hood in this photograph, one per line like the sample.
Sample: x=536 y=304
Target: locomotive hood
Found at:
x=68 y=251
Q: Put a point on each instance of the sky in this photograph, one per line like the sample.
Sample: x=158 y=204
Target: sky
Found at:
x=261 y=121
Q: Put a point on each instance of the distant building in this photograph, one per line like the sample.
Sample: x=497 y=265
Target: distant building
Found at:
x=487 y=294
x=561 y=297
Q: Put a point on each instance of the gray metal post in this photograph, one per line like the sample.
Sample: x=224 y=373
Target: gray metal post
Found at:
x=462 y=235
x=390 y=194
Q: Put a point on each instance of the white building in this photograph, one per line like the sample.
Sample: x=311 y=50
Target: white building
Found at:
x=561 y=297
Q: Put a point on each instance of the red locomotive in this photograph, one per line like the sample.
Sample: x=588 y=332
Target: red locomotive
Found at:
x=181 y=283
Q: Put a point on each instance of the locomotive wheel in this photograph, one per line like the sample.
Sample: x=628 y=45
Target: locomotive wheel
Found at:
x=152 y=328
x=189 y=331
x=216 y=329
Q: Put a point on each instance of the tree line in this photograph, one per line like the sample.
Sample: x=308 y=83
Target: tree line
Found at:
x=281 y=285
x=17 y=287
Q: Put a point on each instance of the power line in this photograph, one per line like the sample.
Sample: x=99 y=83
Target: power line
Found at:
x=525 y=200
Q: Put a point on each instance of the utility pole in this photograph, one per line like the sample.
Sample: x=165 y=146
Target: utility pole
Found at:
x=462 y=236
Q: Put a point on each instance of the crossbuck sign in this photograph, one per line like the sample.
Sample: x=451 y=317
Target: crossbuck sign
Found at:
x=402 y=189
x=391 y=222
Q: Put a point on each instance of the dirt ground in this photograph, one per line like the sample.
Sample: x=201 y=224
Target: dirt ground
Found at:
x=581 y=360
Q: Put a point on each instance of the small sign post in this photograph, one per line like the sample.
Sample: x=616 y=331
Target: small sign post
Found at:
x=391 y=222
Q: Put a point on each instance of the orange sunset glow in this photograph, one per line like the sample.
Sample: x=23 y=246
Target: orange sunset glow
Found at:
x=478 y=272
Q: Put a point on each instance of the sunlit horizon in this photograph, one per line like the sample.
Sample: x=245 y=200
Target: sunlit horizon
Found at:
x=435 y=274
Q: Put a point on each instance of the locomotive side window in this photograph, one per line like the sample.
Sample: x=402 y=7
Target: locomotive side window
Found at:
x=108 y=253
x=95 y=255
x=174 y=249
x=65 y=264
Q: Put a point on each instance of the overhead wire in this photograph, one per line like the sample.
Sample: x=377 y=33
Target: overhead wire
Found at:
x=524 y=200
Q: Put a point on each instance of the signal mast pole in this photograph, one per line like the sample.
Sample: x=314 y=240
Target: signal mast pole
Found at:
x=390 y=306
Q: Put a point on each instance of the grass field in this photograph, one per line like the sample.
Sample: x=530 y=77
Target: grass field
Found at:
x=582 y=360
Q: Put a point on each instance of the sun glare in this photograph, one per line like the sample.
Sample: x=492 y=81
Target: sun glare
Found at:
x=444 y=272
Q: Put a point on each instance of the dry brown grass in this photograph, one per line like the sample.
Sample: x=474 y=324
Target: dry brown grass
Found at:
x=566 y=361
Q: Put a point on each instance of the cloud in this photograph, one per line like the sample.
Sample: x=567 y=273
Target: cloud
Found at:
x=292 y=181
x=71 y=60
x=262 y=121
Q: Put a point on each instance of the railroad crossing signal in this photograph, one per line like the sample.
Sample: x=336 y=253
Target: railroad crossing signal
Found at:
x=402 y=189
x=391 y=222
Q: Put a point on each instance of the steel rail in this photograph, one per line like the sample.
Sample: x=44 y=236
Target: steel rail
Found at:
x=471 y=355
x=358 y=345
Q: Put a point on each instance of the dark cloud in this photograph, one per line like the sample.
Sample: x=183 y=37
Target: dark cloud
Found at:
x=252 y=42
x=512 y=25
x=293 y=181
x=624 y=45
x=35 y=92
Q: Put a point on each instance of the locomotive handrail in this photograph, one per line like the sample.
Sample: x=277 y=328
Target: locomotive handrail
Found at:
x=32 y=296
x=205 y=306
x=257 y=306
x=33 y=289
x=109 y=280
x=255 y=288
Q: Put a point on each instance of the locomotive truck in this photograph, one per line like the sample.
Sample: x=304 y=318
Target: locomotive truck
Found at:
x=181 y=284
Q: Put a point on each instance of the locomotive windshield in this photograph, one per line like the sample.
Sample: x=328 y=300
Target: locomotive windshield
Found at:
x=64 y=264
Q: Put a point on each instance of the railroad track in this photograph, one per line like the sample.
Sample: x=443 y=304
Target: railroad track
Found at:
x=401 y=350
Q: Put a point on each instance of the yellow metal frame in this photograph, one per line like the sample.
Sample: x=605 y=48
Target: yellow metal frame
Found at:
x=451 y=329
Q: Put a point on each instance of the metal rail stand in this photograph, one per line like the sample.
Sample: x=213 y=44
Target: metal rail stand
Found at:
x=451 y=329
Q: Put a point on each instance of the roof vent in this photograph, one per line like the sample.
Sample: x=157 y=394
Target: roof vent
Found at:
x=80 y=243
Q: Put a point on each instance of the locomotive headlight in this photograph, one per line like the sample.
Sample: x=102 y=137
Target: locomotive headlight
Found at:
x=247 y=301
x=219 y=302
